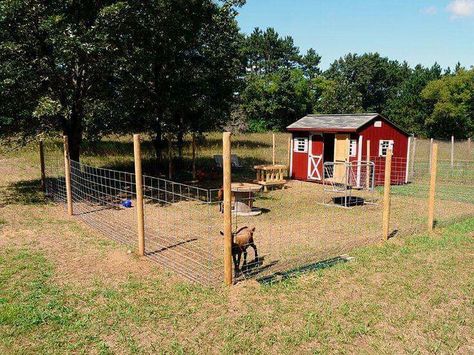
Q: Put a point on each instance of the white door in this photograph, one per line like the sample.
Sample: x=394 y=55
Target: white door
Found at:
x=315 y=157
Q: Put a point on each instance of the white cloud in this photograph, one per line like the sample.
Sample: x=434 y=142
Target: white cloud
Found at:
x=461 y=8
x=430 y=10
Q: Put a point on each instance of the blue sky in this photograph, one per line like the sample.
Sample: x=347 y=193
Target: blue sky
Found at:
x=418 y=31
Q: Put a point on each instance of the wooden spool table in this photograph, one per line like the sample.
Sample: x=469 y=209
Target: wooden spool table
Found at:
x=270 y=175
x=243 y=195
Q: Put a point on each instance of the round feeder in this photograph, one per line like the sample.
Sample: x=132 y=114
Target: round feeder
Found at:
x=348 y=201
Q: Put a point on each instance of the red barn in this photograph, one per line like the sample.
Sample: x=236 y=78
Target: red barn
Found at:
x=317 y=139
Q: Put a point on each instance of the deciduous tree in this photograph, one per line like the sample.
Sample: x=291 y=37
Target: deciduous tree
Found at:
x=54 y=63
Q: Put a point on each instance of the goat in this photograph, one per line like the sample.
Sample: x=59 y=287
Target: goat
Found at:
x=241 y=240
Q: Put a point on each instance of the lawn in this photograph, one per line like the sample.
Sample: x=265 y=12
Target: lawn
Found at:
x=67 y=288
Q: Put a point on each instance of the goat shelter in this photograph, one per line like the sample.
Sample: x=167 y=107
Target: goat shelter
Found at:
x=317 y=139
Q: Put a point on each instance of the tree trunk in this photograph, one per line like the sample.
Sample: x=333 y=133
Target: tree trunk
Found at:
x=158 y=143
x=180 y=143
x=74 y=132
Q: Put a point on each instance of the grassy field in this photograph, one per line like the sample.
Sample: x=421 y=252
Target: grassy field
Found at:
x=66 y=288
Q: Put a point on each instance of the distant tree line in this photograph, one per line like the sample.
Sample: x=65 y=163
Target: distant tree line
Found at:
x=281 y=85
x=170 y=67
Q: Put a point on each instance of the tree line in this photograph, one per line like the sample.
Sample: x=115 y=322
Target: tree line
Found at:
x=168 y=67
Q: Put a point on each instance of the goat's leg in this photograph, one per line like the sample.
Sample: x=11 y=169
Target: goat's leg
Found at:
x=237 y=267
x=255 y=250
x=236 y=263
x=245 y=259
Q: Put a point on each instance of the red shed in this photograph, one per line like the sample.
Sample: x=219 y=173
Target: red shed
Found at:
x=317 y=139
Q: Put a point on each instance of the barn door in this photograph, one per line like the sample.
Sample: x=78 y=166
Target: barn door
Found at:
x=341 y=155
x=315 y=157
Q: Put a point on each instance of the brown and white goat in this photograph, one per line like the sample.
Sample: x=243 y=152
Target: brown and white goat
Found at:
x=241 y=240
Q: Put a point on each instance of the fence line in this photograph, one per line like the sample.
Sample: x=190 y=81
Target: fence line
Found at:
x=293 y=232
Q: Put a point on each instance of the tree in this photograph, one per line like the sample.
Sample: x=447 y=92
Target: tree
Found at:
x=277 y=86
x=337 y=97
x=310 y=64
x=452 y=98
x=180 y=64
x=373 y=76
x=54 y=64
x=406 y=107
x=266 y=52
x=274 y=100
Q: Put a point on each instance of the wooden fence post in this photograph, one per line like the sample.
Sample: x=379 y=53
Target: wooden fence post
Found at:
x=289 y=157
x=431 y=197
x=368 y=166
x=386 y=195
x=67 y=176
x=431 y=151
x=194 y=156
x=413 y=158
x=227 y=180
x=170 y=159
x=139 y=191
x=273 y=151
x=42 y=165
x=452 y=152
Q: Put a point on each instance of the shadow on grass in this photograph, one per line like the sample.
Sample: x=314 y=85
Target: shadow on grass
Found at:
x=98 y=148
x=158 y=251
x=25 y=192
x=393 y=234
x=208 y=174
x=284 y=275
x=237 y=143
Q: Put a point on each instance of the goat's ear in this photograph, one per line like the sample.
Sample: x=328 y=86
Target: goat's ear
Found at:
x=252 y=229
x=221 y=233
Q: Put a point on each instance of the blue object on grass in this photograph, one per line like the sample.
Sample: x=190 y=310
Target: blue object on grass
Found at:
x=127 y=203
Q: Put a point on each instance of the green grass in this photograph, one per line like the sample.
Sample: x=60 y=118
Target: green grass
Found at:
x=411 y=295
x=452 y=192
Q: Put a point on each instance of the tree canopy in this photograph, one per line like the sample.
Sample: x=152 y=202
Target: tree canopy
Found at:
x=452 y=98
x=54 y=69
x=168 y=67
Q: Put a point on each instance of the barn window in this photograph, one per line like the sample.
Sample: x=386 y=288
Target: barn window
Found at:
x=301 y=145
x=353 y=148
x=384 y=146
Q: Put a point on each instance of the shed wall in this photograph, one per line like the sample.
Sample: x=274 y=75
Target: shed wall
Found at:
x=400 y=148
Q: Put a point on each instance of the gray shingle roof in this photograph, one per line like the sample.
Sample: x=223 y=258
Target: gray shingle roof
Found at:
x=333 y=122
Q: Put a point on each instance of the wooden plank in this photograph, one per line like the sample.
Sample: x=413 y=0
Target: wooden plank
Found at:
x=368 y=173
x=227 y=181
x=341 y=154
x=273 y=151
x=289 y=156
x=413 y=158
x=386 y=196
x=431 y=197
x=452 y=152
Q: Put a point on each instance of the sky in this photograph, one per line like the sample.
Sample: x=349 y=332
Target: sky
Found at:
x=418 y=31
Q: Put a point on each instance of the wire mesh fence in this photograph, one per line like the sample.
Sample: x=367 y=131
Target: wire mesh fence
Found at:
x=276 y=233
